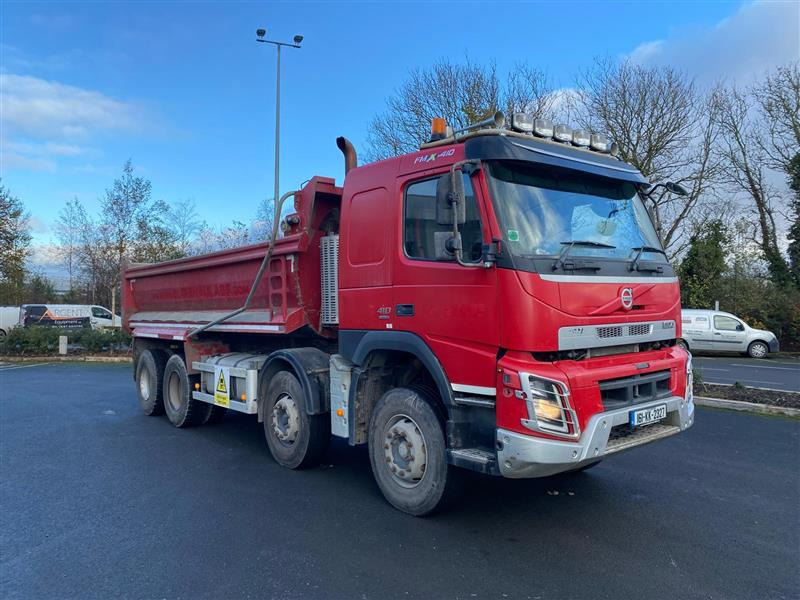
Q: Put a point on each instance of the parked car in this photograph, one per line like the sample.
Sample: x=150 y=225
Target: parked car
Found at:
x=68 y=316
x=9 y=318
x=717 y=331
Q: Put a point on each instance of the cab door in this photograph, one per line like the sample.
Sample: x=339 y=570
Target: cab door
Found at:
x=729 y=334
x=453 y=308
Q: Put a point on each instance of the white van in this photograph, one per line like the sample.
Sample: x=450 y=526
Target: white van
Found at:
x=68 y=316
x=9 y=318
x=717 y=331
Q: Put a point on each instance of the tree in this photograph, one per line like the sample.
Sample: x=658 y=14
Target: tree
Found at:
x=131 y=226
x=461 y=93
x=15 y=241
x=69 y=235
x=745 y=166
x=664 y=127
x=39 y=289
x=702 y=267
x=794 y=222
x=265 y=217
x=778 y=99
x=185 y=224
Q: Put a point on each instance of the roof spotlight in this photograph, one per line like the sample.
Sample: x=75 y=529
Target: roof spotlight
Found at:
x=261 y=32
x=298 y=39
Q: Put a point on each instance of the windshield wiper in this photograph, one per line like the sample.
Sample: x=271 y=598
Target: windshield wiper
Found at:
x=570 y=243
x=641 y=250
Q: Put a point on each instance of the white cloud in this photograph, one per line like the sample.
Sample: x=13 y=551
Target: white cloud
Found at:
x=43 y=122
x=48 y=110
x=758 y=37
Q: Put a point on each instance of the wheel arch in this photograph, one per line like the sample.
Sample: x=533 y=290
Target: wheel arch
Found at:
x=360 y=346
x=311 y=366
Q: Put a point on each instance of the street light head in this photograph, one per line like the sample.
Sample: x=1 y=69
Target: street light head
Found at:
x=261 y=32
x=298 y=39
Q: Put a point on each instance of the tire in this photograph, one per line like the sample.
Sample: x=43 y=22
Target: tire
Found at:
x=683 y=344
x=296 y=439
x=215 y=415
x=407 y=452
x=2 y=333
x=757 y=349
x=149 y=381
x=181 y=409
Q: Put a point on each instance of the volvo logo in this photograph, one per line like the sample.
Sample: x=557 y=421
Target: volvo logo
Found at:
x=626 y=297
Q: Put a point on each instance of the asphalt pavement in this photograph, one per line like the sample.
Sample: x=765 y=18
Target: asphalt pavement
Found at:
x=774 y=373
x=99 y=501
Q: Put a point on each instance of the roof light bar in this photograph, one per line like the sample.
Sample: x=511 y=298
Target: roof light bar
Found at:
x=599 y=142
x=562 y=133
x=543 y=128
x=521 y=121
x=581 y=137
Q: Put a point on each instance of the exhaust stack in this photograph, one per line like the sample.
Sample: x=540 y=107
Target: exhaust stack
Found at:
x=350 y=158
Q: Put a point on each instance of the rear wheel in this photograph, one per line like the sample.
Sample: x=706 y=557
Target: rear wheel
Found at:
x=182 y=410
x=408 y=454
x=149 y=378
x=757 y=349
x=296 y=439
x=215 y=415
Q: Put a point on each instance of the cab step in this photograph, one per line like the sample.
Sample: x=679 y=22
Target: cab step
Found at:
x=474 y=459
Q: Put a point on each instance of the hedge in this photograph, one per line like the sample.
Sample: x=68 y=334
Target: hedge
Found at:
x=44 y=341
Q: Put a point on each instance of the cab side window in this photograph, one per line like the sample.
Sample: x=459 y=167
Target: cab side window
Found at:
x=424 y=238
x=724 y=323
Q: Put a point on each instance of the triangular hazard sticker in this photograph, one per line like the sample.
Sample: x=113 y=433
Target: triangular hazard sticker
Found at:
x=221 y=387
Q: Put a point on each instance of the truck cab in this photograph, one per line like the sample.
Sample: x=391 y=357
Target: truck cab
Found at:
x=566 y=334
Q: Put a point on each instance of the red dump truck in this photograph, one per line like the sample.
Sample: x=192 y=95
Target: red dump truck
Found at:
x=497 y=301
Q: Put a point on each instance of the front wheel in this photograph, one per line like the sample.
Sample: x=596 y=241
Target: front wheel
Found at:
x=757 y=350
x=408 y=454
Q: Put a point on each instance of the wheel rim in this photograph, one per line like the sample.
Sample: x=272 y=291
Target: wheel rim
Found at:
x=758 y=350
x=405 y=451
x=174 y=389
x=286 y=419
x=144 y=385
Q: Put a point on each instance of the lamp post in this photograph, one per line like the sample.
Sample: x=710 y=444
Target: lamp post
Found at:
x=297 y=39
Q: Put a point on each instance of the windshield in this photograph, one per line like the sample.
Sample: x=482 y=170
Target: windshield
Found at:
x=543 y=209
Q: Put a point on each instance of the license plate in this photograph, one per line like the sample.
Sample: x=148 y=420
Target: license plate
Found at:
x=648 y=415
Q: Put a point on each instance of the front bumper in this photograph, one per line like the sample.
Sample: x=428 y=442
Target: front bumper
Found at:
x=774 y=346
x=521 y=456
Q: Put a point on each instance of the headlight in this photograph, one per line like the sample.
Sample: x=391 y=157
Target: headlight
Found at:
x=689 y=394
x=548 y=406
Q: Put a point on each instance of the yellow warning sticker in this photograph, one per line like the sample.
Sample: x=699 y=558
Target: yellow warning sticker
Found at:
x=221 y=393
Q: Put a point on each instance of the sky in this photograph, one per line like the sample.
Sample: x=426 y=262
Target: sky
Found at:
x=184 y=90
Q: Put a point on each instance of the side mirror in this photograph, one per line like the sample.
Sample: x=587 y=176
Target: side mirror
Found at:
x=450 y=204
x=676 y=188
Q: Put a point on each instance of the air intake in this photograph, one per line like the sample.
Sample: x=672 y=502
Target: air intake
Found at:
x=329 y=248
